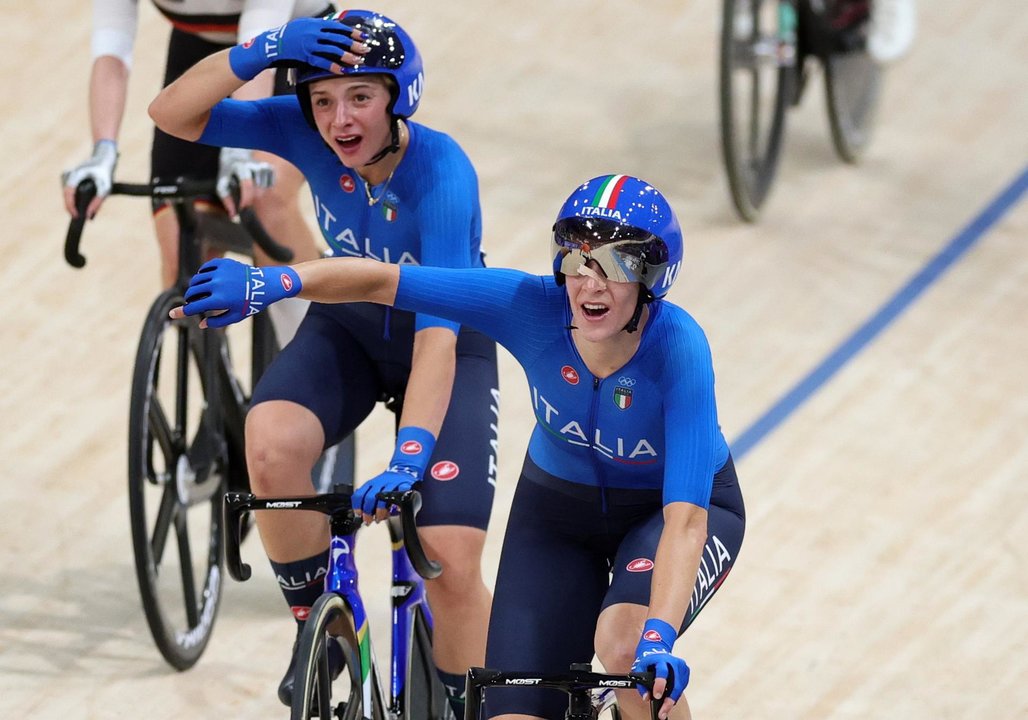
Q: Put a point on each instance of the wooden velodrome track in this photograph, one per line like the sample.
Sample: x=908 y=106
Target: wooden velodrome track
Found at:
x=885 y=569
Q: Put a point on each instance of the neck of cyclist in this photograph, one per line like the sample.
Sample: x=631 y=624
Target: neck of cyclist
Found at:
x=382 y=165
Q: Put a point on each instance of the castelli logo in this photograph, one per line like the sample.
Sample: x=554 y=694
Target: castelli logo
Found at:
x=640 y=565
x=347 y=184
x=569 y=374
x=445 y=470
x=411 y=447
x=300 y=612
x=249 y=42
x=653 y=636
x=287 y=283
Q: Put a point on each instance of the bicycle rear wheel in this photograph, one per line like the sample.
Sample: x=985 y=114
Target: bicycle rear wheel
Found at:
x=853 y=84
x=176 y=474
x=323 y=689
x=757 y=82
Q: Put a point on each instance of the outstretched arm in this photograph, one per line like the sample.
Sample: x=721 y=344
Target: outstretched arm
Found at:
x=225 y=291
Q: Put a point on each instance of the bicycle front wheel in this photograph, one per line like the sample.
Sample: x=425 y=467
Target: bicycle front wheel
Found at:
x=333 y=680
x=176 y=473
x=424 y=693
x=853 y=83
x=757 y=81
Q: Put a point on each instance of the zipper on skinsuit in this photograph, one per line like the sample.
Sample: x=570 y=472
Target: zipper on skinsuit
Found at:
x=592 y=439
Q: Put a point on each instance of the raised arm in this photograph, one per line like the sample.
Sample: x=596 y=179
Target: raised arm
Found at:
x=183 y=108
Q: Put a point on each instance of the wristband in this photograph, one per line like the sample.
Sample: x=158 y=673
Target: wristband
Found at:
x=658 y=631
x=414 y=447
x=250 y=58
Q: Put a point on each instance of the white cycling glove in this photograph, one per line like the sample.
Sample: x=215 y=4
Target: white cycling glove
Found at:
x=239 y=162
x=99 y=168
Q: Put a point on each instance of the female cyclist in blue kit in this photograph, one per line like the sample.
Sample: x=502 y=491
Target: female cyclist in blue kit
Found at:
x=628 y=515
x=390 y=189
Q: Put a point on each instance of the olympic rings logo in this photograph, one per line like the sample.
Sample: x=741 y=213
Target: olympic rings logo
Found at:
x=626 y=381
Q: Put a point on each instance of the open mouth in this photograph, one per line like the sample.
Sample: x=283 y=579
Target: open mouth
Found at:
x=594 y=311
x=348 y=143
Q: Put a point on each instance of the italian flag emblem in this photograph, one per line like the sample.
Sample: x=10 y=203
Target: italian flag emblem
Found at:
x=607 y=194
x=623 y=397
x=389 y=212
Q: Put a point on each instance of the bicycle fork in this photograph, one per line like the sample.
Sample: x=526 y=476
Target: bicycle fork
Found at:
x=342 y=579
x=408 y=599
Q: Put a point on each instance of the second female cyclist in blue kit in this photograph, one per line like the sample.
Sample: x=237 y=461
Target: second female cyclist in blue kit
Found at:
x=628 y=516
x=391 y=189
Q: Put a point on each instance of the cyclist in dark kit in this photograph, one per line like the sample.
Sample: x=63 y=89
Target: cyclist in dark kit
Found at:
x=628 y=515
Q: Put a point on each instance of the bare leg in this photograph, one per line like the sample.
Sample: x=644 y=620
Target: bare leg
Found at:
x=166 y=227
x=459 y=599
x=617 y=634
x=283 y=441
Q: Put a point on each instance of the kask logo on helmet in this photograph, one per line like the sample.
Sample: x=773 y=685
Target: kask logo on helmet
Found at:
x=415 y=88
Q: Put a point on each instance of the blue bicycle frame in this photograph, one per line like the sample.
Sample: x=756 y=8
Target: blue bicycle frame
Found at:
x=409 y=598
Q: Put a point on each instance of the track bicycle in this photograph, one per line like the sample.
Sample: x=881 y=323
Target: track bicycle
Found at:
x=185 y=440
x=767 y=56
x=350 y=689
x=590 y=694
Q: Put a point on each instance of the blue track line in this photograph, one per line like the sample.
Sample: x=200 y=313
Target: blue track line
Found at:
x=953 y=251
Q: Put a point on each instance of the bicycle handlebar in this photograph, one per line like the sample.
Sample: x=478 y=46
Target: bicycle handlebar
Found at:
x=181 y=189
x=576 y=683
x=84 y=194
x=335 y=505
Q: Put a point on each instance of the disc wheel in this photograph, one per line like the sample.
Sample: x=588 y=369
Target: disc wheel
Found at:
x=757 y=80
x=176 y=479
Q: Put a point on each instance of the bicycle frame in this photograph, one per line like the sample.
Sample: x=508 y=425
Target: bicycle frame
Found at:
x=409 y=598
x=409 y=566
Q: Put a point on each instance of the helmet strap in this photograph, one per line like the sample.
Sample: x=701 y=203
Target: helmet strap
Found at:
x=644 y=297
x=394 y=142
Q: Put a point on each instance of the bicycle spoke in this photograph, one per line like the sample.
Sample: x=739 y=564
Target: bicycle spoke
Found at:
x=166 y=515
x=162 y=432
x=186 y=561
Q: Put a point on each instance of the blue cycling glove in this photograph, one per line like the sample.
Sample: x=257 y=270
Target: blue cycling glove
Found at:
x=413 y=451
x=653 y=653
x=315 y=41
x=226 y=291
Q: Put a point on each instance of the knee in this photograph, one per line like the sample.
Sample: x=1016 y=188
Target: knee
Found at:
x=616 y=639
x=459 y=551
x=616 y=652
x=280 y=451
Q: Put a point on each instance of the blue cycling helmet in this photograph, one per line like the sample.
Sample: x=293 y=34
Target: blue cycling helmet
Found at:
x=392 y=53
x=624 y=224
